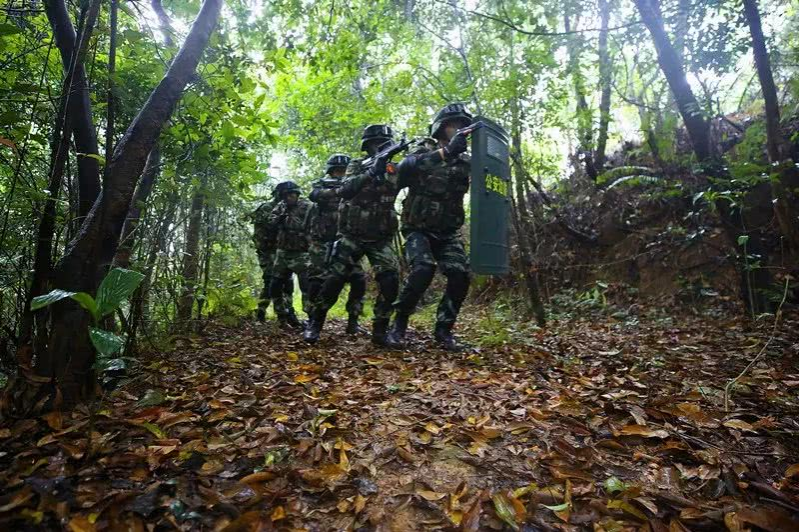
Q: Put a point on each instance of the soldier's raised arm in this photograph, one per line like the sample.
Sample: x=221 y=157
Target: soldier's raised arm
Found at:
x=354 y=180
x=278 y=215
x=319 y=191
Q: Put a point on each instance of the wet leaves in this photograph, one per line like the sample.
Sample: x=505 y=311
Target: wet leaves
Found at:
x=597 y=427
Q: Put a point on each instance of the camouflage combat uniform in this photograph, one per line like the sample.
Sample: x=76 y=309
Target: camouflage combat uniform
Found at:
x=432 y=215
x=265 y=240
x=291 y=255
x=323 y=231
x=367 y=224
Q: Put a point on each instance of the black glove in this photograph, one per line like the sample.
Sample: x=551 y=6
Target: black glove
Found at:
x=378 y=169
x=456 y=146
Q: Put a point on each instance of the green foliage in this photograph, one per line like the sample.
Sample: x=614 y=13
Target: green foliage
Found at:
x=117 y=286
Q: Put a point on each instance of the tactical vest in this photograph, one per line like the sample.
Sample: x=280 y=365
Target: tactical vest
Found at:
x=370 y=215
x=324 y=218
x=292 y=234
x=435 y=199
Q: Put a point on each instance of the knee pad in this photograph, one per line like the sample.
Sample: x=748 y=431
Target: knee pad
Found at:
x=388 y=284
x=458 y=283
x=424 y=271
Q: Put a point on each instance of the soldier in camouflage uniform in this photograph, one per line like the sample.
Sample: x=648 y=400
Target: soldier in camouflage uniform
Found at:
x=437 y=179
x=367 y=223
x=324 y=231
x=265 y=240
x=290 y=219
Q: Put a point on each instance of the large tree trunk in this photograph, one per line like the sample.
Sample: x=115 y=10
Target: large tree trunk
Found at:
x=143 y=189
x=585 y=129
x=605 y=77
x=42 y=262
x=67 y=361
x=191 y=259
x=786 y=206
x=737 y=222
x=671 y=65
x=80 y=108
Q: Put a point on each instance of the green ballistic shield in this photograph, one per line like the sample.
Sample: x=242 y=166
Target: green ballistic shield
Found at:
x=490 y=203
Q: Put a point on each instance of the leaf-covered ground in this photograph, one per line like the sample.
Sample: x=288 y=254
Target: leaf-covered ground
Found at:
x=602 y=423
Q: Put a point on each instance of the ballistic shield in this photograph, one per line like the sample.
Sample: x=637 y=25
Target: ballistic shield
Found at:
x=490 y=201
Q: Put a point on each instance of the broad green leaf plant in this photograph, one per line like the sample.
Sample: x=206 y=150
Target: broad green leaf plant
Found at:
x=117 y=286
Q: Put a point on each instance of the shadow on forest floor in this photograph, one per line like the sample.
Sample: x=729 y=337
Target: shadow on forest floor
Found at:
x=592 y=422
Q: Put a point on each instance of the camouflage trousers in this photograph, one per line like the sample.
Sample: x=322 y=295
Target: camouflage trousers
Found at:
x=320 y=254
x=267 y=262
x=286 y=263
x=424 y=252
x=346 y=255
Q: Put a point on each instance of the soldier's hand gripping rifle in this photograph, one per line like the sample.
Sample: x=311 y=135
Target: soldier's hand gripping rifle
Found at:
x=384 y=153
x=457 y=144
x=330 y=186
x=471 y=128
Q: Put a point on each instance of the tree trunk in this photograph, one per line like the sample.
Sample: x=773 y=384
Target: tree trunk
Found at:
x=80 y=109
x=110 y=100
x=191 y=259
x=140 y=196
x=671 y=65
x=67 y=361
x=605 y=78
x=520 y=216
x=42 y=262
x=786 y=206
x=164 y=24
x=754 y=283
x=584 y=118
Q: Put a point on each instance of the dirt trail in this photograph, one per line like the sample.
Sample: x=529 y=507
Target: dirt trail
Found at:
x=597 y=424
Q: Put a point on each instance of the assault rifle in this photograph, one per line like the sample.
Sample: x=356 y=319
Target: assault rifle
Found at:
x=329 y=182
x=471 y=128
x=386 y=151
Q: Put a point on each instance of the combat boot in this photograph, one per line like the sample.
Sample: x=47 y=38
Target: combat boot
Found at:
x=380 y=333
x=352 y=325
x=397 y=335
x=314 y=328
x=293 y=321
x=444 y=338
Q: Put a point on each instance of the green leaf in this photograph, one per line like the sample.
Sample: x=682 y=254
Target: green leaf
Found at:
x=95 y=156
x=743 y=239
x=86 y=301
x=152 y=398
x=155 y=429
x=106 y=342
x=614 y=485
x=9 y=117
x=505 y=510
x=117 y=286
x=50 y=298
x=557 y=508
x=9 y=29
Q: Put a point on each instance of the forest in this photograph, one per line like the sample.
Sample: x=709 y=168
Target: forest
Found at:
x=636 y=367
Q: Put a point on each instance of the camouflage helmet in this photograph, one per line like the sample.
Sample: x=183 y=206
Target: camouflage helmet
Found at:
x=337 y=160
x=286 y=187
x=451 y=111
x=376 y=131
